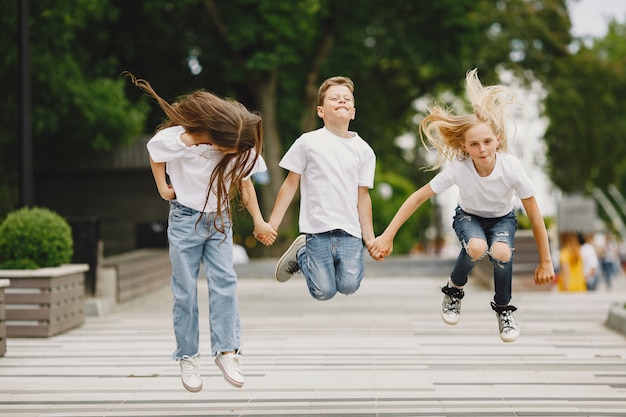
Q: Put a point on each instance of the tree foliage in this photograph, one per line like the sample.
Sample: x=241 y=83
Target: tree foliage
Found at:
x=587 y=114
x=272 y=55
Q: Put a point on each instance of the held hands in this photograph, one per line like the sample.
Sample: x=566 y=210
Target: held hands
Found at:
x=265 y=233
x=380 y=247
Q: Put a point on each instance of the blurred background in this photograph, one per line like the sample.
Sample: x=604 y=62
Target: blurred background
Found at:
x=73 y=130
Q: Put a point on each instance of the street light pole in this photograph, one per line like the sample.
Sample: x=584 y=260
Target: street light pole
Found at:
x=25 y=111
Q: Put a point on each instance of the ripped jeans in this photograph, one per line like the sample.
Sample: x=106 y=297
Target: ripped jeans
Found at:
x=331 y=262
x=491 y=230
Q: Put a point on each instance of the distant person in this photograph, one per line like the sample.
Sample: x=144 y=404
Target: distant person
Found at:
x=489 y=180
x=334 y=168
x=208 y=147
x=591 y=264
x=610 y=263
x=571 y=276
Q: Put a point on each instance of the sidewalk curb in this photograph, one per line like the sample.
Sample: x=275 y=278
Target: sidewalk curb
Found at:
x=616 y=319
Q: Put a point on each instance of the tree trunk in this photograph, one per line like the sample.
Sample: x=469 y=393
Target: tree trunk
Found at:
x=265 y=92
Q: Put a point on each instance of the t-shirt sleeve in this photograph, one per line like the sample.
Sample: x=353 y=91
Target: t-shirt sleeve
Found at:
x=367 y=170
x=166 y=144
x=259 y=166
x=295 y=157
x=443 y=180
x=521 y=183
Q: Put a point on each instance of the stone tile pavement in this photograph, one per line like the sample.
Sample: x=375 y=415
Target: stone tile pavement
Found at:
x=381 y=352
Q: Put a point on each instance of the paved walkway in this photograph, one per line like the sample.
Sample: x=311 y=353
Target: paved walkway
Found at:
x=381 y=352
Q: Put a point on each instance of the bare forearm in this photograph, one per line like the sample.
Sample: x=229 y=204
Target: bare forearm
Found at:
x=250 y=201
x=285 y=195
x=407 y=209
x=364 y=208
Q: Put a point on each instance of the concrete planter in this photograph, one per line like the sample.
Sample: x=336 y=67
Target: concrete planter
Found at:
x=44 y=302
x=616 y=319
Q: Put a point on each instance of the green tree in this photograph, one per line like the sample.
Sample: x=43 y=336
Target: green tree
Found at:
x=78 y=104
x=587 y=115
x=271 y=55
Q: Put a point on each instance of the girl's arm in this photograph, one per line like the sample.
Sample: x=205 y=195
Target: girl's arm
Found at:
x=283 y=199
x=262 y=230
x=544 y=274
x=158 y=172
x=383 y=245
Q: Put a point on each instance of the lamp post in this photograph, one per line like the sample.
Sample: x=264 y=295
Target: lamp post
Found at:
x=25 y=110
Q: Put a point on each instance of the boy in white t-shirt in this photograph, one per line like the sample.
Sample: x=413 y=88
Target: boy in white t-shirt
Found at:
x=334 y=168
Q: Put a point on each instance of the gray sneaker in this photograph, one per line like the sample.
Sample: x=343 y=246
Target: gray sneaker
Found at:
x=229 y=364
x=507 y=324
x=288 y=263
x=451 y=305
x=189 y=373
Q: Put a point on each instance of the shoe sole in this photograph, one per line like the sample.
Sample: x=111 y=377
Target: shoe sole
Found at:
x=448 y=321
x=228 y=379
x=509 y=339
x=282 y=258
x=190 y=389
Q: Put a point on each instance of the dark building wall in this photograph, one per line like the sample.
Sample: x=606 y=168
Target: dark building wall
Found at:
x=121 y=201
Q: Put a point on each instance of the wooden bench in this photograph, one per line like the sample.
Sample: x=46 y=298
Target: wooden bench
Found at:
x=139 y=272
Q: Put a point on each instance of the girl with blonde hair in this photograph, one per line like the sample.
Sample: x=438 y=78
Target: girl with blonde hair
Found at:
x=473 y=148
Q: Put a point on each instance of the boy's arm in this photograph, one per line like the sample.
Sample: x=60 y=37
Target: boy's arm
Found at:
x=283 y=199
x=544 y=274
x=383 y=245
x=158 y=172
x=262 y=230
x=364 y=208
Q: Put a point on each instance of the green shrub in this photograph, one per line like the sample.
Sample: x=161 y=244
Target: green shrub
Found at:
x=32 y=238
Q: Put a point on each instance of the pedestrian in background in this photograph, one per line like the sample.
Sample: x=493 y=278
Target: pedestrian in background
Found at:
x=571 y=275
x=591 y=264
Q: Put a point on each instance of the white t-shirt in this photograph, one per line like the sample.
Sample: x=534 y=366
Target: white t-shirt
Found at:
x=491 y=196
x=190 y=167
x=332 y=169
x=590 y=259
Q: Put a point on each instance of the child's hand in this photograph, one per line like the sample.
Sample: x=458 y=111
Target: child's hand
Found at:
x=265 y=233
x=381 y=247
x=544 y=274
x=168 y=193
x=369 y=245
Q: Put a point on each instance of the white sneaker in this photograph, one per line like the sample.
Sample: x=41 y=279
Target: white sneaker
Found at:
x=229 y=364
x=189 y=373
x=288 y=263
x=507 y=324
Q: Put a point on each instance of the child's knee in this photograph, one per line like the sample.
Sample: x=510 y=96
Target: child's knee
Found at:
x=476 y=248
x=500 y=251
x=322 y=295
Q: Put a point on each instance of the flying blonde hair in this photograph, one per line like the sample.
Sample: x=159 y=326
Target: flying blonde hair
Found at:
x=445 y=131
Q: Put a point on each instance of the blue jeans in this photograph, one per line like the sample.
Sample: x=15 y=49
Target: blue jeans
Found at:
x=190 y=243
x=331 y=262
x=490 y=230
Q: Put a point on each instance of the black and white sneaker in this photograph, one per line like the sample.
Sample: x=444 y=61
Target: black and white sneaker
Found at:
x=288 y=263
x=507 y=324
x=451 y=305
